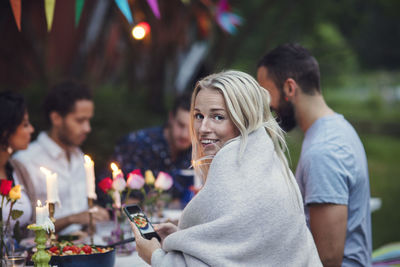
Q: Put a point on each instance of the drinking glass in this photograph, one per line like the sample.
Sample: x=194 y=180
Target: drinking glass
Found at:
x=15 y=261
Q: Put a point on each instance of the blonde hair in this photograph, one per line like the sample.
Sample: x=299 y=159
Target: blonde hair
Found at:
x=248 y=106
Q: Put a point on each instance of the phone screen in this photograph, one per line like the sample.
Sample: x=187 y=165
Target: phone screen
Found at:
x=142 y=223
x=137 y=216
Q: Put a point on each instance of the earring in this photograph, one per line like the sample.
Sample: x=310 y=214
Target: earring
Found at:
x=286 y=99
x=9 y=150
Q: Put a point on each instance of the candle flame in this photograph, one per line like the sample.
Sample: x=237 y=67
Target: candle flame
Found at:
x=114 y=167
x=87 y=158
x=39 y=203
x=45 y=171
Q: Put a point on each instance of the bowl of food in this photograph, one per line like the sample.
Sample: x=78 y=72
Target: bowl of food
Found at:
x=66 y=254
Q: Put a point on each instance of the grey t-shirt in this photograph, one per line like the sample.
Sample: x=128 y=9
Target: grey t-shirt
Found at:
x=333 y=169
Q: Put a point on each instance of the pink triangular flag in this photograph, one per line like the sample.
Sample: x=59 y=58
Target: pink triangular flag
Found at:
x=49 y=6
x=16 y=8
x=154 y=7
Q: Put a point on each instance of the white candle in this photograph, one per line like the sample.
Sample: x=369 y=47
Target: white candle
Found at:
x=90 y=178
x=116 y=172
x=117 y=199
x=41 y=213
x=51 y=185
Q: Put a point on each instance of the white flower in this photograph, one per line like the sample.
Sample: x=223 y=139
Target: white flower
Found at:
x=119 y=184
x=164 y=181
x=135 y=181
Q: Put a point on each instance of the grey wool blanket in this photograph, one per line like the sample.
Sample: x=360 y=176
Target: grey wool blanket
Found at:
x=247 y=214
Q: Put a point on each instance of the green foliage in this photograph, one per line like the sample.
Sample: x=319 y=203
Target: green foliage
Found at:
x=15 y=214
x=335 y=57
x=118 y=111
x=383 y=153
x=17 y=232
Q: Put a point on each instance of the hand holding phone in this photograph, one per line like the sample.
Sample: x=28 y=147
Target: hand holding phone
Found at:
x=136 y=215
x=165 y=229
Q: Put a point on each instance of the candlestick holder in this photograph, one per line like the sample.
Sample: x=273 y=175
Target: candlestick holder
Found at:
x=52 y=209
x=91 y=224
x=41 y=258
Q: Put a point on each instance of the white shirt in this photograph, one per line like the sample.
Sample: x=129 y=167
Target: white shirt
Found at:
x=71 y=175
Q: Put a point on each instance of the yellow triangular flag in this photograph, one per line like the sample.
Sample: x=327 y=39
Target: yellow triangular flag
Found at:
x=49 y=6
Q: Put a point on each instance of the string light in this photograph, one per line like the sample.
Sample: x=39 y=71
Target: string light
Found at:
x=140 y=30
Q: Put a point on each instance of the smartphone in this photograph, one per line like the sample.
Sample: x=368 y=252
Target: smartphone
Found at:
x=136 y=215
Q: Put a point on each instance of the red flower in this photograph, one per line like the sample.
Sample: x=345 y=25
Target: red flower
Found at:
x=137 y=172
x=5 y=187
x=105 y=184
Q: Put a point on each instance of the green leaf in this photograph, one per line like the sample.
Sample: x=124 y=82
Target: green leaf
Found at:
x=15 y=214
x=17 y=232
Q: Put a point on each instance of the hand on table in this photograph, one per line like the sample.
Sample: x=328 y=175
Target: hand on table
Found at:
x=99 y=215
x=144 y=247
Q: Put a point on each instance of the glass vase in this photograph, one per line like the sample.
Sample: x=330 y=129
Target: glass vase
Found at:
x=120 y=231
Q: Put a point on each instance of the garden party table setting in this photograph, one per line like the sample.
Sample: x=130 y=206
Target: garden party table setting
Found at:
x=109 y=243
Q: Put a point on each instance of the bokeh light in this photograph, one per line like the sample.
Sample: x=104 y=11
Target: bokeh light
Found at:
x=140 y=30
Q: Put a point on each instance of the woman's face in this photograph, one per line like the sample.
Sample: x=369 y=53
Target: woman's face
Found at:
x=22 y=136
x=212 y=124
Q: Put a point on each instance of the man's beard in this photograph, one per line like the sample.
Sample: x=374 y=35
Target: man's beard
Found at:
x=286 y=117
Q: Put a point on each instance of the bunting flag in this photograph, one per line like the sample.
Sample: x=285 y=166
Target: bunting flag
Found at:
x=154 y=7
x=16 y=8
x=226 y=19
x=49 y=6
x=78 y=10
x=124 y=7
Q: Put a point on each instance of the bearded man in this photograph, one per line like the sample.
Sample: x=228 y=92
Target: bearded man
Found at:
x=332 y=172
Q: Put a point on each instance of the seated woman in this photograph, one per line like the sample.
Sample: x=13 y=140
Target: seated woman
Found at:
x=15 y=134
x=249 y=212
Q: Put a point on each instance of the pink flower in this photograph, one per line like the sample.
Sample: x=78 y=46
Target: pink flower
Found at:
x=135 y=179
x=164 y=181
x=119 y=184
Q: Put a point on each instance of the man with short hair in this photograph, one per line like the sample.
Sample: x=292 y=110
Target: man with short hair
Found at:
x=332 y=172
x=164 y=148
x=68 y=108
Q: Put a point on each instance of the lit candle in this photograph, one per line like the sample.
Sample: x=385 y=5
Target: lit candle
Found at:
x=116 y=172
x=51 y=185
x=41 y=213
x=90 y=178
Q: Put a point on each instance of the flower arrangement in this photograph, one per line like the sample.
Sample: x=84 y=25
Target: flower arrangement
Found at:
x=149 y=187
x=10 y=195
x=120 y=191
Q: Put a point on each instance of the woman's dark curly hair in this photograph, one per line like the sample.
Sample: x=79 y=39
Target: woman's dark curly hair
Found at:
x=12 y=111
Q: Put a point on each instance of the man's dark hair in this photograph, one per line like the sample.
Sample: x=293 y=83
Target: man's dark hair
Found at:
x=293 y=61
x=63 y=96
x=182 y=101
x=12 y=111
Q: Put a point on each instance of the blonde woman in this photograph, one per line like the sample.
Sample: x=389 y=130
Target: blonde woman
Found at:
x=249 y=212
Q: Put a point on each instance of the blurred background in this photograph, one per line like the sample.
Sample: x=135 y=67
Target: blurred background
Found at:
x=355 y=41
